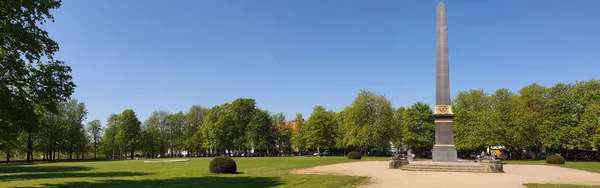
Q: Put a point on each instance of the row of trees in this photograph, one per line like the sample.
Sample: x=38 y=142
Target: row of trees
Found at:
x=564 y=116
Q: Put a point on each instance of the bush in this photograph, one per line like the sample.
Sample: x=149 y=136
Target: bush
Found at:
x=354 y=155
x=223 y=165
x=555 y=159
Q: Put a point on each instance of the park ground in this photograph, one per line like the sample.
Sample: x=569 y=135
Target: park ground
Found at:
x=253 y=172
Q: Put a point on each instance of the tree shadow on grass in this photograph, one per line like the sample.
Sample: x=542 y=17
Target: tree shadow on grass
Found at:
x=23 y=177
x=31 y=169
x=208 y=181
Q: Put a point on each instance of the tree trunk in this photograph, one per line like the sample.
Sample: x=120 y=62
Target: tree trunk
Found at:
x=70 y=152
x=131 y=153
x=29 y=148
x=95 y=150
x=7 y=155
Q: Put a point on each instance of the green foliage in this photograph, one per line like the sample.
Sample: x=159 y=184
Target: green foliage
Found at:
x=471 y=110
x=259 y=131
x=418 y=129
x=95 y=131
x=298 y=132
x=555 y=159
x=30 y=77
x=223 y=165
x=319 y=131
x=354 y=155
x=368 y=122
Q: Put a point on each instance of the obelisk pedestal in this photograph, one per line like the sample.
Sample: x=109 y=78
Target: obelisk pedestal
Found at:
x=444 y=149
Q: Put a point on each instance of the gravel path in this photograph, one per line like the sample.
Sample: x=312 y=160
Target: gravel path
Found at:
x=514 y=176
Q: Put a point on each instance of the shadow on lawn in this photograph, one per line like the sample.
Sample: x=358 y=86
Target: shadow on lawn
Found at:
x=209 y=181
x=22 y=177
x=28 y=168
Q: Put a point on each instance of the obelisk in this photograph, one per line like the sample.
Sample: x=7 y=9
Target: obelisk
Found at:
x=444 y=149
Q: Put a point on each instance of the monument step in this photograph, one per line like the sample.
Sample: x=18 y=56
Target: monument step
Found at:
x=445 y=168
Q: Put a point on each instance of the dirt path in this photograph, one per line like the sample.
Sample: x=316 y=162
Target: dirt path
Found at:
x=514 y=176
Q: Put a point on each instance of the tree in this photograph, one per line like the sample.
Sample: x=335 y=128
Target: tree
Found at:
x=29 y=74
x=418 y=129
x=471 y=121
x=95 y=130
x=156 y=137
x=109 y=144
x=243 y=111
x=297 y=134
x=191 y=130
x=397 y=128
x=503 y=127
x=368 y=122
x=284 y=132
x=531 y=111
x=259 y=130
x=319 y=131
x=75 y=113
x=175 y=123
x=129 y=134
x=556 y=132
x=218 y=128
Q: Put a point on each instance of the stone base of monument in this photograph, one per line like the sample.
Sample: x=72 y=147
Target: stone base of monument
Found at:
x=485 y=166
x=398 y=162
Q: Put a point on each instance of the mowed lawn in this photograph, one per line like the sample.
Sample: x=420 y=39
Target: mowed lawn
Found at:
x=253 y=172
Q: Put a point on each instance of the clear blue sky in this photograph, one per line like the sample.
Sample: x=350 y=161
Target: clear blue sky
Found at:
x=293 y=55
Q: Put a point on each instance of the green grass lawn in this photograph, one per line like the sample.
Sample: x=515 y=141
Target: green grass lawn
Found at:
x=253 y=172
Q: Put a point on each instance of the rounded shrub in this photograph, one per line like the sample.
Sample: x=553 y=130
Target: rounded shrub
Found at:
x=555 y=159
x=354 y=155
x=223 y=165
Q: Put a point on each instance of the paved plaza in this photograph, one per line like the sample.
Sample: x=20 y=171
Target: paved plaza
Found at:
x=514 y=176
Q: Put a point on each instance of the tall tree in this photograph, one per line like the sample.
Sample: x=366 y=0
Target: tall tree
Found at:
x=368 y=122
x=110 y=145
x=129 y=135
x=531 y=111
x=75 y=113
x=397 y=128
x=175 y=123
x=191 y=130
x=418 y=129
x=297 y=134
x=556 y=131
x=95 y=131
x=320 y=128
x=471 y=122
x=283 y=131
x=502 y=120
x=29 y=74
x=259 y=130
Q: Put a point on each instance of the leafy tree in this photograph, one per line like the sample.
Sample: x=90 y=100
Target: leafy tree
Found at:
x=218 y=128
x=418 y=129
x=471 y=120
x=29 y=74
x=110 y=144
x=531 y=111
x=243 y=111
x=504 y=130
x=590 y=127
x=397 y=127
x=368 y=122
x=156 y=136
x=319 y=131
x=129 y=134
x=297 y=134
x=283 y=131
x=259 y=130
x=95 y=130
x=175 y=123
x=191 y=130
x=556 y=131
x=75 y=113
